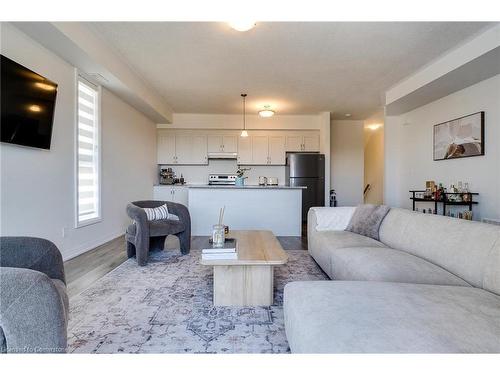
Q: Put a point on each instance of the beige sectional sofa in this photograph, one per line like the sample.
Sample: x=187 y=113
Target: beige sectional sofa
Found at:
x=431 y=284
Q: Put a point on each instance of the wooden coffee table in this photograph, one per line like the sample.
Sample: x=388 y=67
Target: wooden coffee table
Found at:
x=248 y=280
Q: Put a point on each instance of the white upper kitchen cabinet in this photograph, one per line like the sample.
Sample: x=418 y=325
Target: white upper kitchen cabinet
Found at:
x=311 y=142
x=294 y=143
x=186 y=149
x=165 y=148
x=306 y=141
x=260 y=152
x=276 y=150
x=245 y=150
x=214 y=143
x=229 y=143
x=222 y=143
x=199 y=150
x=183 y=149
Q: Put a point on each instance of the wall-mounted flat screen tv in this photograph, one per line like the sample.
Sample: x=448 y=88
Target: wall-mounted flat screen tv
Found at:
x=27 y=105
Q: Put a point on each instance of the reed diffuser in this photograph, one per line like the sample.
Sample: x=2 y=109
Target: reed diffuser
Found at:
x=218 y=233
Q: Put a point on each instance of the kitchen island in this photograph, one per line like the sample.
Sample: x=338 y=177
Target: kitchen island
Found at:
x=250 y=207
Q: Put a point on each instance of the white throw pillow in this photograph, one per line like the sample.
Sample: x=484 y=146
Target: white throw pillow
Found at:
x=159 y=213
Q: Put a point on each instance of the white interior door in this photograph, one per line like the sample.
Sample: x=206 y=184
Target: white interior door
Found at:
x=260 y=152
x=277 y=150
x=165 y=149
x=230 y=143
x=245 y=150
x=311 y=142
x=293 y=143
x=214 y=143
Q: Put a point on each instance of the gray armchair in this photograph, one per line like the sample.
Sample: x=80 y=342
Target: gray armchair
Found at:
x=143 y=235
x=34 y=303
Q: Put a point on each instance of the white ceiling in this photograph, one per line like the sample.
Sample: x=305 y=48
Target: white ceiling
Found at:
x=297 y=68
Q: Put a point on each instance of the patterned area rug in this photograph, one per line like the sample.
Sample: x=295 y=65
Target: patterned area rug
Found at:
x=166 y=307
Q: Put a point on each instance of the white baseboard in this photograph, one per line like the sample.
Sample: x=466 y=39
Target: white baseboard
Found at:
x=72 y=253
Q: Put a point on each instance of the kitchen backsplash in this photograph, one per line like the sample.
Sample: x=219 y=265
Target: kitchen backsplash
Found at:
x=198 y=174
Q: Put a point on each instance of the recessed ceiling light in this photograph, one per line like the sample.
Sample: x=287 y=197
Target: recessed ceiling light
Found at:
x=242 y=25
x=266 y=112
x=348 y=115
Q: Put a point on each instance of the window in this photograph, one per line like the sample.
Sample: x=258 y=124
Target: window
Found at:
x=88 y=154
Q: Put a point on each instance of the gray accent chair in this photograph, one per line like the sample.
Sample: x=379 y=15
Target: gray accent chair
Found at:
x=34 y=302
x=430 y=285
x=143 y=236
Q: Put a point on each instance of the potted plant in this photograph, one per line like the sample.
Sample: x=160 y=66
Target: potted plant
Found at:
x=240 y=179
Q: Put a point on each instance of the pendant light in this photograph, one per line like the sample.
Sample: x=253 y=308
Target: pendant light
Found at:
x=244 y=132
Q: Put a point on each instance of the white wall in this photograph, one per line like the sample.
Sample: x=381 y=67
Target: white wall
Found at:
x=37 y=186
x=374 y=158
x=408 y=149
x=253 y=121
x=347 y=161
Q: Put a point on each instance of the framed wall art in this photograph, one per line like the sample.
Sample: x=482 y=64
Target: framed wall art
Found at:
x=459 y=138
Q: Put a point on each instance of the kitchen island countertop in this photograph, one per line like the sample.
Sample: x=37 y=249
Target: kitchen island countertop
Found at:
x=207 y=186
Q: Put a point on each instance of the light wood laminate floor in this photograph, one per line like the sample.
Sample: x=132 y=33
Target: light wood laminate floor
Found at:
x=85 y=269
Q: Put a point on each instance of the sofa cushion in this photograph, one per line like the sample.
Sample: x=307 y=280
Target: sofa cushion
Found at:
x=322 y=243
x=385 y=264
x=381 y=317
x=467 y=249
x=367 y=219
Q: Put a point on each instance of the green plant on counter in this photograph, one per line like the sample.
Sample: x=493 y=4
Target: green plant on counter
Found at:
x=241 y=171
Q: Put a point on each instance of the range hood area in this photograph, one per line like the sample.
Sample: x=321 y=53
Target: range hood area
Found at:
x=222 y=155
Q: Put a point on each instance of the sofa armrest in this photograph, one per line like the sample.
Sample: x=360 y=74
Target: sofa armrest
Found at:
x=329 y=218
x=32 y=312
x=32 y=253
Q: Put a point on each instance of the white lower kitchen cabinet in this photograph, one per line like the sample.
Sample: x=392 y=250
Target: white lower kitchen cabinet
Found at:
x=171 y=193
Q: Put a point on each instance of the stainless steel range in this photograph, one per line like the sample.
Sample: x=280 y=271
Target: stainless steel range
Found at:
x=221 y=179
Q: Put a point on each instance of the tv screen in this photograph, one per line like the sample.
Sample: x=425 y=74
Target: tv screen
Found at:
x=27 y=105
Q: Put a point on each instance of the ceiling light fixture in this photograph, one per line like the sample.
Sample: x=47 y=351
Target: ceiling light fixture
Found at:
x=244 y=132
x=374 y=126
x=266 y=112
x=348 y=115
x=242 y=25
x=35 y=108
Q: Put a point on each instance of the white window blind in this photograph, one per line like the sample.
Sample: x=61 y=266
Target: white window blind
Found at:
x=88 y=193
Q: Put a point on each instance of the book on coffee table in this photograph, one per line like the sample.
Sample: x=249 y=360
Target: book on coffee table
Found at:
x=220 y=256
x=228 y=251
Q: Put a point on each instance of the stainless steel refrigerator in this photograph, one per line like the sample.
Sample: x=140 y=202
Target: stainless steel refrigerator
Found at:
x=307 y=169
